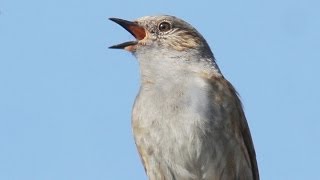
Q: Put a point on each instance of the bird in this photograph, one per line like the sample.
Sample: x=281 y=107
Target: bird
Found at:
x=187 y=120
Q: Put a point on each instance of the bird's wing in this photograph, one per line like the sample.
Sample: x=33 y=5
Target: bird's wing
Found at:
x=245 y=132
x=224 y=91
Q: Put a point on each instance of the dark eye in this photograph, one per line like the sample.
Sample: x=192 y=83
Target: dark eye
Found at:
x=164 y=26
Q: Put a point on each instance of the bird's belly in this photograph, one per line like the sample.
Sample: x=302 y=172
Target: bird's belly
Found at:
x=174 y=137
x=180 y=150
x=169 y=150
x=181 y=134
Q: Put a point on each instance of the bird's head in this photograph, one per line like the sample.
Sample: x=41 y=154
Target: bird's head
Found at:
x=162 y=34
x=168 y=47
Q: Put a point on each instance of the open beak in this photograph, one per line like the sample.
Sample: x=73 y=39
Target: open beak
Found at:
x=137 y=31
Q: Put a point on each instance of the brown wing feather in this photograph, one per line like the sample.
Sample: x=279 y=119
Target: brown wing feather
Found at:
x=245 y=132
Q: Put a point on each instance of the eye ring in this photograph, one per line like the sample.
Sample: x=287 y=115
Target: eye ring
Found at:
x=164 y=26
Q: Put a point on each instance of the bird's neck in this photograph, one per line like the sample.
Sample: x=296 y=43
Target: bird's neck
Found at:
x=175 y=69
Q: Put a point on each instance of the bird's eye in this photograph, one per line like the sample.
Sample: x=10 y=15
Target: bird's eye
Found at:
x=164 y=26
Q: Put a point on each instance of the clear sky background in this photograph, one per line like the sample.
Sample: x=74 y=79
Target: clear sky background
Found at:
x=65 y=98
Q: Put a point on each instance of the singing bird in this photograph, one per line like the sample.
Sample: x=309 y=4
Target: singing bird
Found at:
x=187 y=119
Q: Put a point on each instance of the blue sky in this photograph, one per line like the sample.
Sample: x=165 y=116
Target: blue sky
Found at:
x=65 y=98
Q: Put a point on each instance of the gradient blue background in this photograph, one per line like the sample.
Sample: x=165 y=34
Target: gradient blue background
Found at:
x=65 y=99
